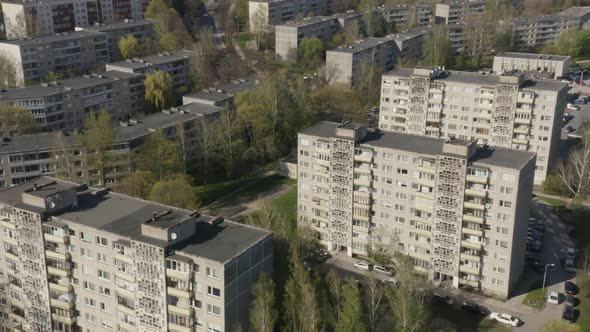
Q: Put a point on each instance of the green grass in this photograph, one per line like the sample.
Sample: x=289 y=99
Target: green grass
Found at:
x=251 y=188
x=209 y=193
x=552 y=201
x=535 y=293
x=446 y=318
x=584 y=319
x=243 y=38
x=287 y=204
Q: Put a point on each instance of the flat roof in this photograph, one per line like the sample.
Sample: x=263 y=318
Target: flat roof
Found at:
x=492 y=156
x=575 y=11
x=59 y=37
x=533 y=56
x=156 y=59
x=308 y=21
x=119 y=25
x=225 y=91
x=409 y=34
x=361 y=45
x=123 y=215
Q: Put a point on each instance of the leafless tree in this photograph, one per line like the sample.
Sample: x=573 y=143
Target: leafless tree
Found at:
x=575 y=171
x=374 y=294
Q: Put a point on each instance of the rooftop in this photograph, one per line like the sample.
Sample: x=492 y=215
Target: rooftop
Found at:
x=533 y=56
x=118 y=25
x=480 y=79
x=157 y=59
x=307 y=21
x=123 y=215
x=492 y=156
x=361 y=45
x=408 y=34
x=225 y=91
x=59 y=37
x=575 y=11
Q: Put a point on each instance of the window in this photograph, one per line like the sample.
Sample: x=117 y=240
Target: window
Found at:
x=105 y=291
x=85 y=252
x=213 y=327
x=104 y=275
x=502 y=230
x=90 y=302
x=107 y=324
x=101 y=257
x=89 y=286
x=506 y=190
x=177 y=266
x=212 y=273
x=101 y=241
x=84 y=237
x=506 y=204
x=214 y=310
x=197 y=304
x=502 y=244
x=213 y=291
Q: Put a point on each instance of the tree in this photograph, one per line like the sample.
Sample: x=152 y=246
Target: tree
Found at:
x=207 y=133
x=554 y=185
x=203 y=59
x=575 y=172
x=16 y=121
x=170 y=31
x=227 y=138
x=263 y=312
x=128 y=46
x=350 y=312
x=137 y=184
x=338 y=103
x=437 y=47
x=374 y=295
x=560 y=326
x=176 y=191
x=98 y=137
x=352 y=32
x=8 y=76
x=64 y=157
x=160 y=156
x=311 y=50
x=159 y=90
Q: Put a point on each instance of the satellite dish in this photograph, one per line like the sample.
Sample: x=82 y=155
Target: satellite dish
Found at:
x=173 y=236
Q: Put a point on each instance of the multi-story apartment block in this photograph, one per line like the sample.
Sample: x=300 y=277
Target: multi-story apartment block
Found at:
x=410 y=43
x=354 y=61
x=535 y=31
x=459 y=210
x=76 y=258
x=25 y=157
x=406 y=16
x=65 y=105
x=29 y=18
x=457 y=11
x=177 y=64
x=553 y=66
x=264 y=14
x=471 y=39
x=509 y=111
x=223 y=95
x=139 y=29
x=74 y=52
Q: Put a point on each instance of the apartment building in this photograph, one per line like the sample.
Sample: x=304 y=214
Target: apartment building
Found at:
x=222 y=95
x=29 y=18
x=76 y=258
x=509 y=111
x=177 y=64
x=353 y=61
x=410 y=43
x=530 y=32
x=139 y=29
x=75 y=52
x=457 y=11
x=459 y=210
x=546 y=65
x=265 y=14
x=25 y=157
x=65 y=105
x=471 y=39
x=406 y=16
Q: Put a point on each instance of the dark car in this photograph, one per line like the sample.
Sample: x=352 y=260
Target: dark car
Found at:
x=537 y=266
x=569 y=314
x=569 y=129
x=439 y=298
x=571 y=288
x=475 y=308
x=571 y=300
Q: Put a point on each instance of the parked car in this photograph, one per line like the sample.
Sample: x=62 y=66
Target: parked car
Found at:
x=537 y=266
x=571 y=232
x=383 y=269
x=568 y=265
x=363 y=265
x=570 y=300
x=535 y=234
x=580 y=101
x=553 y=298
x=391 y=282
x=507 y=319
x=534 y=246
x=571 y=288
x=570 y=253
x=475 y=308
x=571 y=106
x=440 y=298
x=538 y=227
x=530 y=257
x=569 y=313
x=569 y=129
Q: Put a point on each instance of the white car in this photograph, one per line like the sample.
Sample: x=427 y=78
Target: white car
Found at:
x=553 y=298
x=507 y=319
x=570 y=253
x=383 y=269
x=572 y=107
x=362 y=265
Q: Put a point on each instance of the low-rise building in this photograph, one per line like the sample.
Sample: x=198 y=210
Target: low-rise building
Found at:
x=410 y=43
x=79 y=258
x=222 y=95
x=406 y=16
x=139 y=29
x=265 y=14
x=65 y=105
x=177 y=64
x=354 y=61
x=554 y=66
x=29 y=18
x=25 y=157
x=74 y=52
x=459 y=210
x=457 y=11
x=510 y=111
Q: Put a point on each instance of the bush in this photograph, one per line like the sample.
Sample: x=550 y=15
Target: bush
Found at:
x=553 y=185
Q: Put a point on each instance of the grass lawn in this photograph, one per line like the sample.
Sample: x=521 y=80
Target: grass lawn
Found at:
x=243 y=38
x=584 y=318
x=552 y=201
x=537 y=294
x=446 y=318
x=287 y=204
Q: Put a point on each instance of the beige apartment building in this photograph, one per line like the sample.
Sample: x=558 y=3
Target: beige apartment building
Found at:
x=458 y=209
x=406 y=16
x=545 y=65
x=265 y=14
x=457 y=11
x=509 y=111
x=76 y=258
x=75 y=52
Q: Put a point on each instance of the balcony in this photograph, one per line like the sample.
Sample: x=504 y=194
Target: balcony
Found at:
x=522 y=121
x=471 y=231
x=471 y=244
x=62 y=300
x=520 y=141
x=522 y=130
x=365 y=157
x=178 y=310
x=474 y=205
x=125 y=305
x=477 y=179
x=469 y=270
x=178 y=328
x=473 y=218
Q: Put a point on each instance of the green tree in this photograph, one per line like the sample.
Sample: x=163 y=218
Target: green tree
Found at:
x=350 y=312
x=176 y=191
x=311 y=50
x=437 y=47
x=16 y=121
x=263 y=312
x=160 y=156
x=137 y=184
x=8 y=77
x=170 y=31
x=128 y=46
x=159 y=92
x=575 y=43
x=98 y=137
x=338 y=103
x=352 y=32
x=554 y=185
x=64 y=156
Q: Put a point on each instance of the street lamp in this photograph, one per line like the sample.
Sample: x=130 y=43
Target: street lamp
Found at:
x=581 y=78
x=545 y=278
